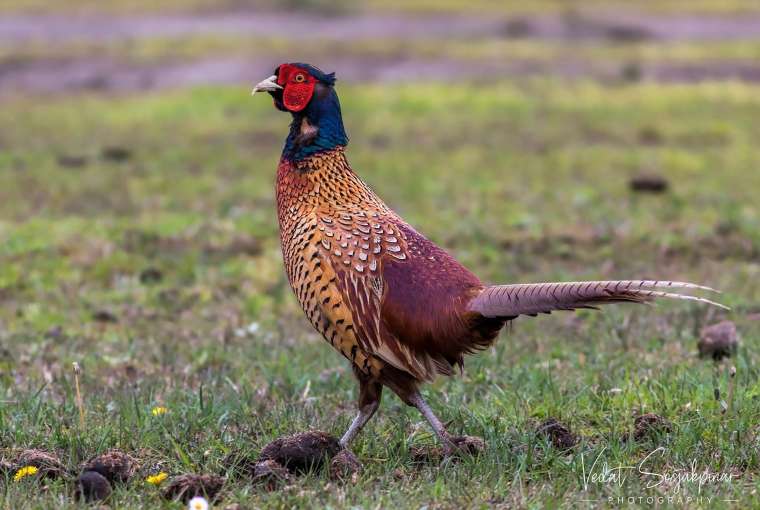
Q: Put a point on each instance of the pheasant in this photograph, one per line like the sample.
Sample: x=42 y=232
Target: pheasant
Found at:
x=398 y=307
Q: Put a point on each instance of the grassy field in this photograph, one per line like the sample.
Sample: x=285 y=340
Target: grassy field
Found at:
x=158 y=50
x=485 y=7
x=138 y=238
x=136 y=45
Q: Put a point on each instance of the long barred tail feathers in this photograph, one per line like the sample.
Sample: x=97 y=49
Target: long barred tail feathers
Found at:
x=535 y=298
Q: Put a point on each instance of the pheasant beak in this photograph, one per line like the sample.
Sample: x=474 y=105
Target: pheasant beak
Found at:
x=268 y=85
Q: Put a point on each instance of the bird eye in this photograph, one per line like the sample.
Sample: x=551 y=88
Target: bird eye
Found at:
x=300 y=78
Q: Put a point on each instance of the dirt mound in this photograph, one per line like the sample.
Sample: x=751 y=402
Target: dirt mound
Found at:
x=558 y=433
x=345 y=466
x=270 y=474
x=115 y=465
x=48 y=464
x=466 y=445
x=186 y=487
x=92 y=486
x=649 y=425
x=648 y=183
x=301 y=452
x=718 y=341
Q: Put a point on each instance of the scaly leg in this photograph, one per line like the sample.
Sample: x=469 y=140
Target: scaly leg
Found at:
x=370 y=393
x=449 y=447
x=406 y=387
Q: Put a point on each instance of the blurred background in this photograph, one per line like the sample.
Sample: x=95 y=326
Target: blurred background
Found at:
x=140 y=45
x=535 y=140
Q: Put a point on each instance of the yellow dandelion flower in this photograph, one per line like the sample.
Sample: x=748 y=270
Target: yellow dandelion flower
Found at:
x=157 y=478
x=158 y=411
x=25 y=471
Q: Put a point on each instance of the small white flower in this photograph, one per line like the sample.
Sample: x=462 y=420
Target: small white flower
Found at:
x=198 y=503
x=248 y=330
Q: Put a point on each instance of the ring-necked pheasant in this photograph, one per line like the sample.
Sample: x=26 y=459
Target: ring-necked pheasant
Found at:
x=400 y=308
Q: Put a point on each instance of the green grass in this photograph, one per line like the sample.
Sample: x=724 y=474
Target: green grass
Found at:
x=521 y=181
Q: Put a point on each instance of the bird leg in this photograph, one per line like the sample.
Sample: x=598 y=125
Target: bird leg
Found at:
x=361 y=419
x=449 y=447
x=369 y=400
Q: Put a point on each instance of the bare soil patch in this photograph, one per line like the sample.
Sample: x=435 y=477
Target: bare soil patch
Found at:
x=569 y=25
x=100 y=73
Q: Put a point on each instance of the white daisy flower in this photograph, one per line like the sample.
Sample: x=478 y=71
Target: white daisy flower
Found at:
x=198 y=503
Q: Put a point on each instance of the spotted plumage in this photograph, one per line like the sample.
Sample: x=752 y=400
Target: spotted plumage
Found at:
x=341 y=243
x=322 y=246
x=398 y=307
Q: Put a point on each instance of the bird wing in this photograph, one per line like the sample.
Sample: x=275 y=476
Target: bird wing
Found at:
x=360 y=245
x=533 y=298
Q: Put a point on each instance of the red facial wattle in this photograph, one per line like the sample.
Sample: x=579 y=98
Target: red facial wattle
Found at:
x=298 y=87
x=297 y=95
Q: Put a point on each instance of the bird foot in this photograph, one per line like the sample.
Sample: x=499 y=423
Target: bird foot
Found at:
x=464 y=445
x=455 y=447
x=345 y=466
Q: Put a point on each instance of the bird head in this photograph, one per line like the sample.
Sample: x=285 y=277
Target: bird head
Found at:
x=295 y=86
x=309 y=95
